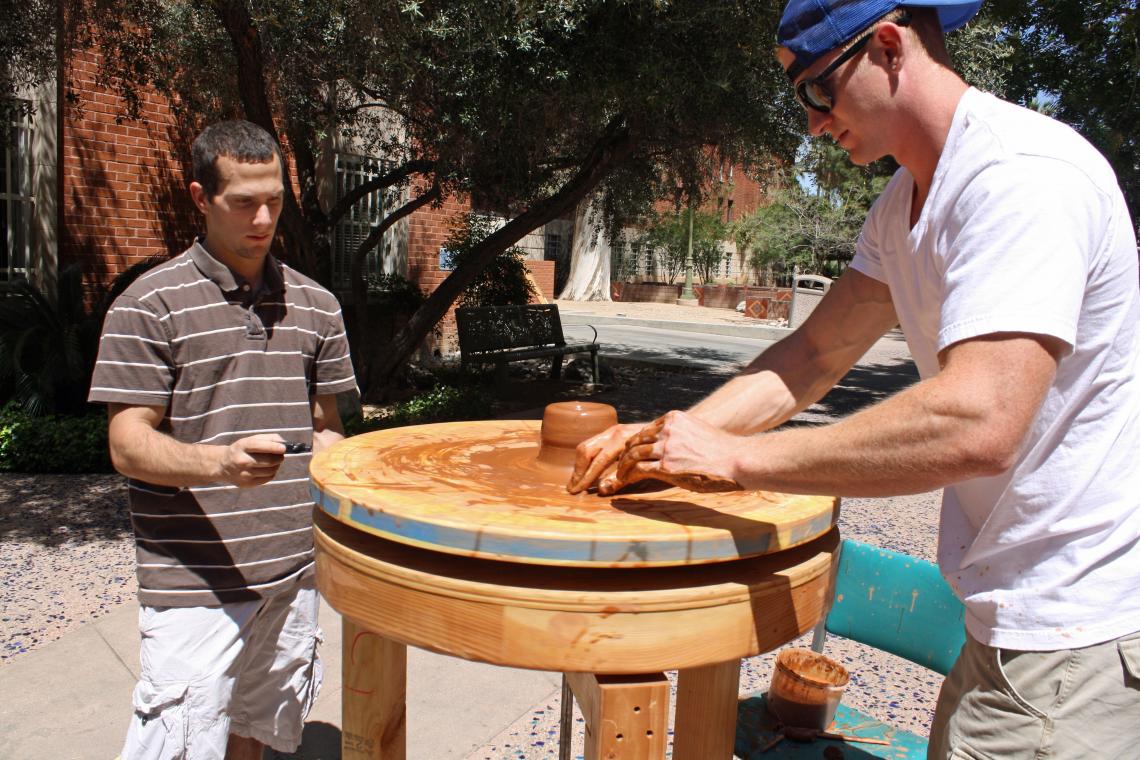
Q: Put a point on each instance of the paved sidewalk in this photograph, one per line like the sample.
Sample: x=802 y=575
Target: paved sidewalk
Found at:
x=664 y=312
x=70 y=699
x=697 y=319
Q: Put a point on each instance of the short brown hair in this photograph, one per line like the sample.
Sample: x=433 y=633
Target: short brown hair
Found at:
x=238 y=139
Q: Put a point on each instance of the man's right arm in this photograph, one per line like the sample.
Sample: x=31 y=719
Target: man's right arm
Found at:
x=800 y=369
x=142 y=452
x=784 y=380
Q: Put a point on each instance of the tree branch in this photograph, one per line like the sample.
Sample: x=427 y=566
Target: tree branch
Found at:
x=399 y=174
x=612 y=148
x=253 y=90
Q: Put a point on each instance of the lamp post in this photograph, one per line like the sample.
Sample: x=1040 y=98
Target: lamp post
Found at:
x=687 y=298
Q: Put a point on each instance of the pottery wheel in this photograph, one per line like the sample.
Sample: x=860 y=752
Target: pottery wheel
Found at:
x=481 y=489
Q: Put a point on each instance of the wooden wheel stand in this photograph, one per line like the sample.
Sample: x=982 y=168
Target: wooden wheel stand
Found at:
x=458 y=539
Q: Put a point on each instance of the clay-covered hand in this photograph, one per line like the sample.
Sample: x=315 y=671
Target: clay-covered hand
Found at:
x=596 y=454
x=679 y=449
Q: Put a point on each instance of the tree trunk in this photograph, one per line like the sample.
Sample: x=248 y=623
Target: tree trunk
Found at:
x=253 y=91
x=589 y=256
x=609 y=152
x=360 y=313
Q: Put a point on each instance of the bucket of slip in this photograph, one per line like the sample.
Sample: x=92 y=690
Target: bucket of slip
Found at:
x=806 y=689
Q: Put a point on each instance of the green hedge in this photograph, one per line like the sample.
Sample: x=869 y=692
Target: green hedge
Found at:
x=53 y=443
x=444 y=403
x=60 y=443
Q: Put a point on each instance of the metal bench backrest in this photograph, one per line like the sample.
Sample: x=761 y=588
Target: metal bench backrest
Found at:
x=489 y=329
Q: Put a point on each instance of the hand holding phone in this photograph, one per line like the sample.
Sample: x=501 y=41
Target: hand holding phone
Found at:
x=296 y=447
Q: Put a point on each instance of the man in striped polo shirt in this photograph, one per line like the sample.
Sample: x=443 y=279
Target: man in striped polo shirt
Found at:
x=209 y=365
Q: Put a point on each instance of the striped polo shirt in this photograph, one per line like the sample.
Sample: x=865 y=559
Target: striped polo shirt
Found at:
x=226 y=362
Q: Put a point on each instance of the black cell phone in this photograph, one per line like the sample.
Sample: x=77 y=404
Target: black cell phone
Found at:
x=296 y=447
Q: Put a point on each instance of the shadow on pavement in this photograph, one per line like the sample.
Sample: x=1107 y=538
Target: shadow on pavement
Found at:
x=320 y=741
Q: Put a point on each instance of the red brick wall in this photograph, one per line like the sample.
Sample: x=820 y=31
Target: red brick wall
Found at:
x=746 y=195
x=123 y=185
x=543 y=274
x=428 y=230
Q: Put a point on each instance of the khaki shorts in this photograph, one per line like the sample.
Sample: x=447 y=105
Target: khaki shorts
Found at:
x=1010 y=705
x=248 y=668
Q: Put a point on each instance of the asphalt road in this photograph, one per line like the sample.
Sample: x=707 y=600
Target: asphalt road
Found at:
x=702 y=350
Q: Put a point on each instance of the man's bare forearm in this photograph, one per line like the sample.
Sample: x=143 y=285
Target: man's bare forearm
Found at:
x=142 y=453
x=797 y=371
x=777 y=385
x=328 y=428
x=965 y=423
x=140 y=450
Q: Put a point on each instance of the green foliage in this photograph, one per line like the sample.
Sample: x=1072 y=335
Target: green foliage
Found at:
x=394 y=292
x=503 y=282
x=444 y=403
x=811 y=230
x=1084 y=57
x=668 y=237
x=982 y=54
x=48 y=346
x=27 y=49
x=53 y=443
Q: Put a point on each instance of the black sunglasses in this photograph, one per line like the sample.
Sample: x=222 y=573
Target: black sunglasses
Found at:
x=814 y=93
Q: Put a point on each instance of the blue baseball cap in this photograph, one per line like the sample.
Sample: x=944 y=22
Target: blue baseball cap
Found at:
x=812 y=28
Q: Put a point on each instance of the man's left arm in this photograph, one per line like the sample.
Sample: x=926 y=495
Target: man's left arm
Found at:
x=968 y=421
x=327 y=425
x=332 y=375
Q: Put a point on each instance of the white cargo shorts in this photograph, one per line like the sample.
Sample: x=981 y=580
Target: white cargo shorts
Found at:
x=247 y=668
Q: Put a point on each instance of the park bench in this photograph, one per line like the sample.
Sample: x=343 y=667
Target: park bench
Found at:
x=502 y=334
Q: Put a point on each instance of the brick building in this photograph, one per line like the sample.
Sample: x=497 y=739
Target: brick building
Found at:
x=80 y=184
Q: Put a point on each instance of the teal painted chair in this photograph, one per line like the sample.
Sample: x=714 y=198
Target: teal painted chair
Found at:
x=890 y=601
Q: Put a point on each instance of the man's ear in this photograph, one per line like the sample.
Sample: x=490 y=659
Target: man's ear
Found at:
x=198 y=195
x=785 y=57
x=889 y=44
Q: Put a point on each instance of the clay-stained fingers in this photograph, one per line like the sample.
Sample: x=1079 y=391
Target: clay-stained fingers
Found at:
x=589 y=464
x=626 y=475
x=641 y=452
x=647 y=435
x=631 y=471
x=699 y=482
x=596 y=454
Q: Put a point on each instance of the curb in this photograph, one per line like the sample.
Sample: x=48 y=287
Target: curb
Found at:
x=677 y=366
x=759 y=332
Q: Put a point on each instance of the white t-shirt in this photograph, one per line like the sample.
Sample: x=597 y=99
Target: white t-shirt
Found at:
x=1025 y=230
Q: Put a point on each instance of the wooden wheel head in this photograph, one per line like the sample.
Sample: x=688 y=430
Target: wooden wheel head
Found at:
x=494 y=489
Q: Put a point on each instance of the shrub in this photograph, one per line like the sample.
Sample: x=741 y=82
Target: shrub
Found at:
x=394 y=292
x=52 y=443
x=444 y=403
x=503 y=282
x=48 y=346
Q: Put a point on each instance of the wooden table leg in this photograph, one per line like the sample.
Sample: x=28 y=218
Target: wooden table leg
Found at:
x=374 y=696
x=627 y=717
x=705 y=726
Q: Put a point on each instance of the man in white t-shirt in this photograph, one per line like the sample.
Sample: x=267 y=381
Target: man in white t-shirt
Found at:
x=1004 y=249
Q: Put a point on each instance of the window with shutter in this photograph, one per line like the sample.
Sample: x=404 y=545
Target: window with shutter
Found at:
x=16 y=201
x=353 y=228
